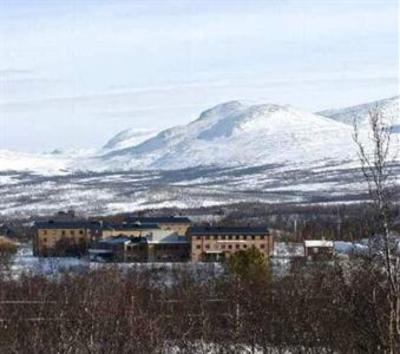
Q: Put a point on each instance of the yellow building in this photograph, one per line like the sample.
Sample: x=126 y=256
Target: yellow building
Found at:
x=61 y=237
x=218 y=243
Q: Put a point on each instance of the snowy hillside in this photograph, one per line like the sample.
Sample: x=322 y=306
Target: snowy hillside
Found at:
x=237 y=134
x=128 y=138
x=390 y=108
x=44 y=164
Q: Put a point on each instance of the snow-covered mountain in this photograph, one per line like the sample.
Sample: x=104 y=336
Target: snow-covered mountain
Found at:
x=228 y=135
x=237 y=134
x=390 y=108
x=128 y=138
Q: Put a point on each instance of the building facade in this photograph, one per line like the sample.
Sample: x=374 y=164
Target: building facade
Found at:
x=122 y=248
x=129 y=229
x=218 y=243
x=64 y=237
x=119 y=249
x=170 y=247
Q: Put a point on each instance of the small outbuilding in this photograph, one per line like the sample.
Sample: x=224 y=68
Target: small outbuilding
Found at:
x=319 y=250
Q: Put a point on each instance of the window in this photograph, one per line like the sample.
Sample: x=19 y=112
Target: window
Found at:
x=230 y=237
x=63 y=232
x=262 y=237
x=207 y=246
x=244 y=237
x=237 y=246
x=72 y=232
x=237 y=237
x=80 y=232
x=262 y=246
x=223 y=247
x=45 y=240
x=244 y=246
x=223 y=237
x=253 y=237
x=207 y=237
x=230 y=246
x=45 y=232
x=198 y=247
x=198 y=237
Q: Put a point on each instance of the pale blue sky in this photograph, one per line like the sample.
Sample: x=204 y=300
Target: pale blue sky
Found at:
x=73 y=73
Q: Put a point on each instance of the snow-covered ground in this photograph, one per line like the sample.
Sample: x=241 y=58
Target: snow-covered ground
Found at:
x=109 y=193
x=25 y=262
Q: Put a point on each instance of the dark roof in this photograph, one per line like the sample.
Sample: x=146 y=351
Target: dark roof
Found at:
x=129 y=226
x=67 y=224
x=226 y=230
x=159 y=219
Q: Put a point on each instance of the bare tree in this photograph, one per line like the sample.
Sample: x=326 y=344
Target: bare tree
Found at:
x=376 y=157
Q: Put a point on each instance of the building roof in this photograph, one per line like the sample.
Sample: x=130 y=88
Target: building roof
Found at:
x=130 y=226
x=159 y=219
x=318 y=243
x=113 y=240
x=67 y=224
x=167 y=239
x=99 y=251
x=226 y=230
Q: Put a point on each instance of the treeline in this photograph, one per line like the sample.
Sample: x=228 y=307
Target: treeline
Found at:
x=337 y=222
x=348 y=222
x=325 y=309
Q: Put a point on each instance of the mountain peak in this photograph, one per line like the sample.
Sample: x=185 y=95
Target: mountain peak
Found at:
x=223 y=109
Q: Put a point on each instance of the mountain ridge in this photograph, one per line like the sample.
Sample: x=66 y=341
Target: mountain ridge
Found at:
x=390 y=107
x=234 y=133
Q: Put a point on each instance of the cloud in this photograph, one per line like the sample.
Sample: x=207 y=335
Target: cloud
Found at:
x=71 y=68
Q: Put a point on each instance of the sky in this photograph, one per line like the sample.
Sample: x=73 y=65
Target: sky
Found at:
x=74 y=73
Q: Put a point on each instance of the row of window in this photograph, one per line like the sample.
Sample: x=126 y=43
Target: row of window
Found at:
x=232 y=237
x=236 y=246
x=81 y=239
x=64 y=232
